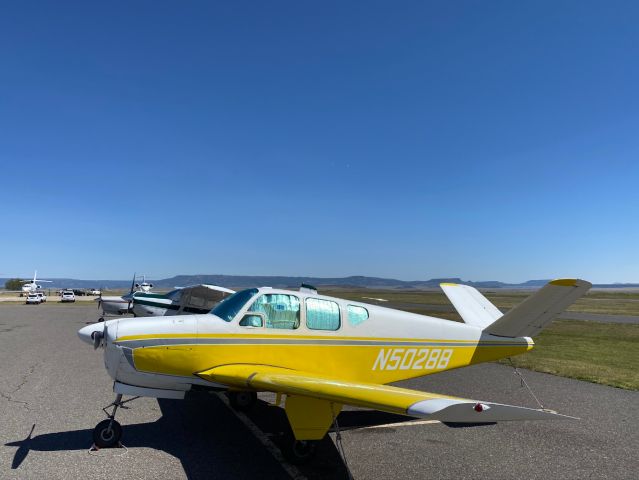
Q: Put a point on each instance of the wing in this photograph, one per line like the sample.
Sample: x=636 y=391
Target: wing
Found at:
x=379 y=397
x=202 y=298
x=212 y=291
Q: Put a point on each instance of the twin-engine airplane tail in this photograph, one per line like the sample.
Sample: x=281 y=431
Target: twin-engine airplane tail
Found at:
x=525 y=320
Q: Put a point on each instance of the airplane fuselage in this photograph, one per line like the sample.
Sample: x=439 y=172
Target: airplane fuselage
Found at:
x=365 y=343
x=30 y=287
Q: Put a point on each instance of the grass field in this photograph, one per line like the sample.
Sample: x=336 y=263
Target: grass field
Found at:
x=606 y=353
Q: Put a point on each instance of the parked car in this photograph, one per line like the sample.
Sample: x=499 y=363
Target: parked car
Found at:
x=43 y=297
x=67 y=297
x=33 y=299
x=95 y=291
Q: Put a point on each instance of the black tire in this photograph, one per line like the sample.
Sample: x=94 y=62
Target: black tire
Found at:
x=105 y=437
x=298 y=452
x=101 y=319
x=242 y=401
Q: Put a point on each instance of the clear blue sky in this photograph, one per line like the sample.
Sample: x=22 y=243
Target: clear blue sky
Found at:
x=486 y=140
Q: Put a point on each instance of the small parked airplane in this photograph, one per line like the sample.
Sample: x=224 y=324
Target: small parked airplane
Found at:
x=32 y=286
x=117 y=304
x=322 y=353
x=181 y=301
x=121 y=304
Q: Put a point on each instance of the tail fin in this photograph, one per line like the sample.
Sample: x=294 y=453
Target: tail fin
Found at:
x=471 y=305
x=525 y=320
x=533 y=314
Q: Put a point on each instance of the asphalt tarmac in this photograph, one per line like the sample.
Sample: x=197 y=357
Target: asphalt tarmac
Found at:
x=53 y=386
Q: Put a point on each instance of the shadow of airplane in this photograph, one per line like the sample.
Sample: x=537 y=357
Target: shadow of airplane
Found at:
x=23 y=449
x=201 y=433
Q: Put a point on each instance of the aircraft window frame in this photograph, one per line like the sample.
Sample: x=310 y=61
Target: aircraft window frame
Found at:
x=315 y=299
x=230 y=307
x=268 y=322
x=352 y=321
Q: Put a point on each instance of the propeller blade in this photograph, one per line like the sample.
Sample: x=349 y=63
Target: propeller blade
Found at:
x=132 y=283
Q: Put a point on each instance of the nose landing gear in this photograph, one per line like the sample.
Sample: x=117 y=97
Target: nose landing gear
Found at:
x=108 y=433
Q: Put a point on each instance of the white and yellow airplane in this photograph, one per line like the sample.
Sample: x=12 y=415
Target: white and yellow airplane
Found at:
x=322 y=353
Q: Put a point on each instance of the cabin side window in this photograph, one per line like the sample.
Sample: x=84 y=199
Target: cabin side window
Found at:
x=356 y=315
x=322 y=314
x=280 y=310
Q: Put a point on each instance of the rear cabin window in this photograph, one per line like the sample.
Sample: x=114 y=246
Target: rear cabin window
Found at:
x=281 y=311
x=356 y=315
x=322 y=314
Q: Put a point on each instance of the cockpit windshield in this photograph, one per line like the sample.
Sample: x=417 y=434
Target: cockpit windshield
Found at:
x=230 y=306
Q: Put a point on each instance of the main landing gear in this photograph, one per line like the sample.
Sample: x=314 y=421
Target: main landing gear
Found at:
x=108 y=433
x=298 y=452
x=242 y=400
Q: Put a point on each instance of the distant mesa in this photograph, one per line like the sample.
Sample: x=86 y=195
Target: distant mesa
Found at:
x=245 y=281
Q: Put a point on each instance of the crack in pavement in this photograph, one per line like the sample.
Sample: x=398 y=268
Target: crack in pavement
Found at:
x=25 y=379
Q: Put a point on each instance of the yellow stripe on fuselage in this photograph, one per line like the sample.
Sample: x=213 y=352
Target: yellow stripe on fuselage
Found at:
x=379 y=363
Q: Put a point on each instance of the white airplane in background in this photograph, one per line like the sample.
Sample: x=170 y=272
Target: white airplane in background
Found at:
x=121 y=304
x=181 y=301
x=32 y=286
x=318 y=353
x=144 y=286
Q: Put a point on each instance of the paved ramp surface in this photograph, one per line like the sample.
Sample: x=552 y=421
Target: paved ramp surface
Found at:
x=52 y=387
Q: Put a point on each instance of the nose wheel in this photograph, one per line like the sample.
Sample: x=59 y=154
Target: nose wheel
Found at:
x=108 y=433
